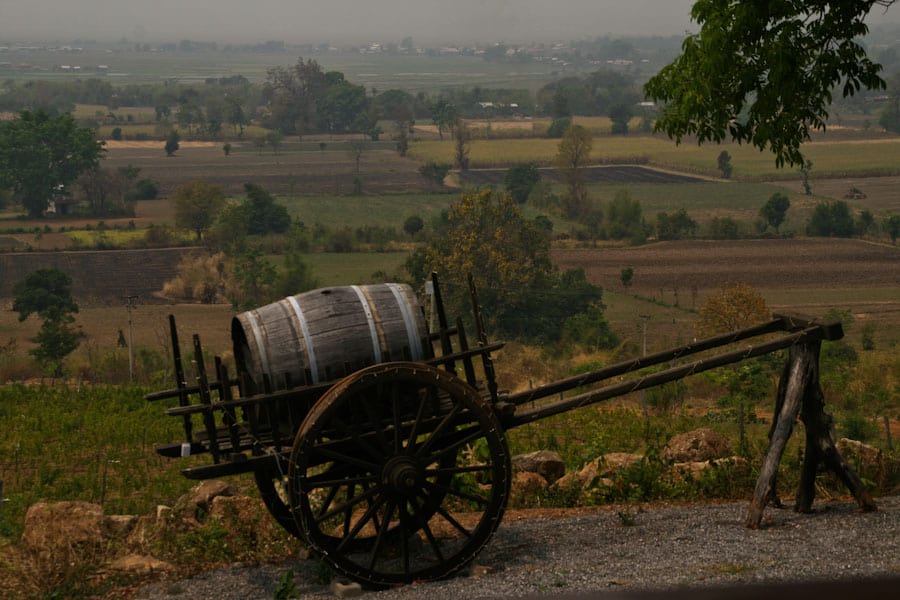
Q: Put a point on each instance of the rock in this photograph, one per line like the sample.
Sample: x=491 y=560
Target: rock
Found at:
x=346 y=590
x=163 y=512
x=697 y=468
x=868 y=459
x=526 y=483
x=199 y=500
x=546 y=463
x=231 y=508
x=477 y=570
x=119 y=525
x=597 y=471
x=52 y=526
x=139 y=565
x=613 y=462
x=696 y=446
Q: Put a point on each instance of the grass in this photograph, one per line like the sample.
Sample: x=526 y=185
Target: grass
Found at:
x=833 y=158
x=360 y=211
x=93 y=444
x=345 y=268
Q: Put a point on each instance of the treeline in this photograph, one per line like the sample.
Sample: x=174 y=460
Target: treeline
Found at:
x=305 y=99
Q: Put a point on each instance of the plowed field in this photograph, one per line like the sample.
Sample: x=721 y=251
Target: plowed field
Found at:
x=810 y=276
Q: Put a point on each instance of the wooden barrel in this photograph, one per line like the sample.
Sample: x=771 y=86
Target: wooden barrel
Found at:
x=328 y=333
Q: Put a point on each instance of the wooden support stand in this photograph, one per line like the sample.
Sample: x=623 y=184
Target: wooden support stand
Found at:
x=799 y=394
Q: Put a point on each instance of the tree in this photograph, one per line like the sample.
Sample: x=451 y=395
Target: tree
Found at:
x=197 y=205
x=40 y=156
x=733 y=306
x=461 y=138
x=107 y=192
x=485 y=235
x=291 y=96
x=572 y=156
x=172 y=144
x=620 y=115
x=763 y=72
x=774 y=211
x=274 y=139
x=624 y=219
x=831 y=219
x=520 y=180
x=677 y=226
x=890 y=115
x=48 y=294
x=262 y=214
x=356 y=149
x=413 y=225
x=296 y=276
x=434 y=172
x=805 y=168
x=401 y=137
x=891 y=225
x=724 y=164
x=443 y=115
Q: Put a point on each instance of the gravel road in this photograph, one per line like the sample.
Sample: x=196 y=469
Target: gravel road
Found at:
x=551 y=554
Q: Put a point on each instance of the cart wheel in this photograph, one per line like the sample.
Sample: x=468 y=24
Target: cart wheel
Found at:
x=273 y=489
x=399 y=473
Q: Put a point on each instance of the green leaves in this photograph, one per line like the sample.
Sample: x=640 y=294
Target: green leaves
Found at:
x=763 y=72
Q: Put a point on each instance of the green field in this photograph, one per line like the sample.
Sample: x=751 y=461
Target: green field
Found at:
x=833 y=158
x=360 y=211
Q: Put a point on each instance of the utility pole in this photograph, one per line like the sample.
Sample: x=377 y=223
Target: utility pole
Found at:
x=644 y=319
x=130 y=304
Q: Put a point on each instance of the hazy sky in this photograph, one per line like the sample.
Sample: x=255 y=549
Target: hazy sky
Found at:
x=346 y=20
x=339 y=20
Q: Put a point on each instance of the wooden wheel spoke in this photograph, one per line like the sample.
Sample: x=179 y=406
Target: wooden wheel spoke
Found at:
x=456 y=524
x=423 y=523
x=354 y=432
x=379 y=539
x=451 y=444
x=361 y=522
x=375 y=418
x=457 y=470
x=340 y=457
x=459 y=494
x=318 y=481
x=439 y=430
x=345 y=506
x=398 y=423
x=414 y=430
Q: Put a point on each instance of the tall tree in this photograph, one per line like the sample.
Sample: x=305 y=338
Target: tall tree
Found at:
x=774 y=211
x=763 y=72
x=48 y=294
x=485 y=235
x=291 y=96
x=40 y=156
x=196 y=206
x=520 y=180
x=572 y=156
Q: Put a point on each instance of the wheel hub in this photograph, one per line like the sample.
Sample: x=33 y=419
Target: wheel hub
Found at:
x=401 y=474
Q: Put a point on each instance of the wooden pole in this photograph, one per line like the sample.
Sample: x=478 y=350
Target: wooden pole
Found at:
x=820 y=447
x=799 y=394
x=788 y=402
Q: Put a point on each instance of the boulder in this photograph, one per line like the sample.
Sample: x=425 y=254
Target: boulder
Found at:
x=598 y=470
x=139 y=565
x=546 y=463
x=57 y=525
x=696 y=446
x=526 y=483
x=197 y=502
x=868 y=459
x=697 y=468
